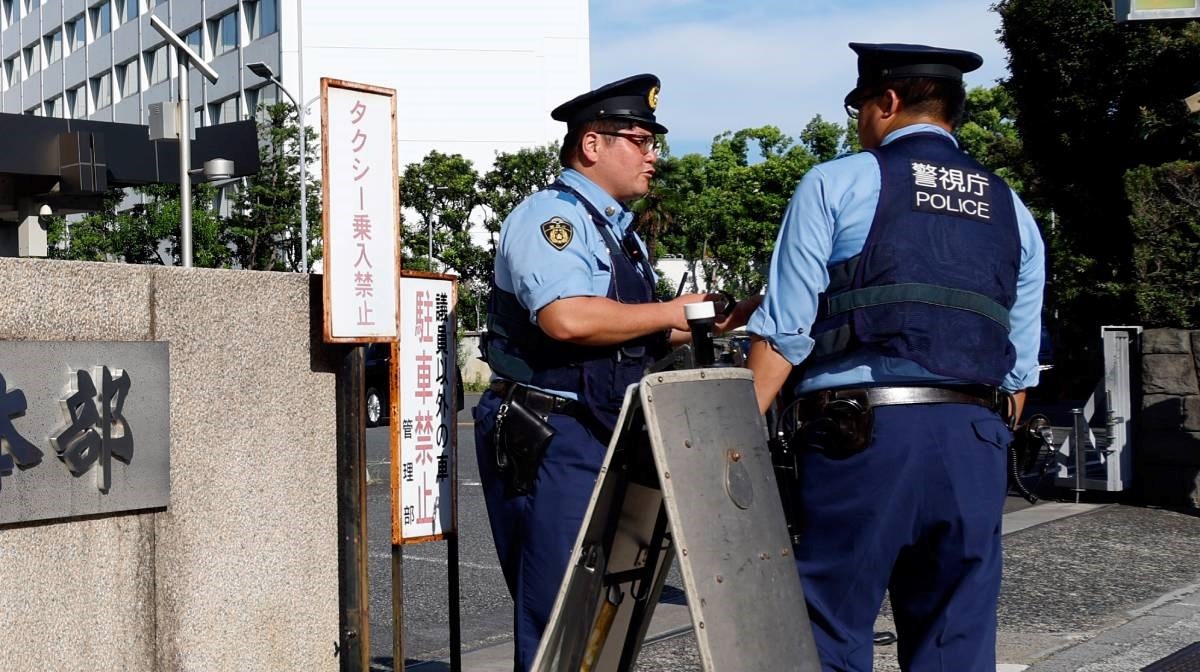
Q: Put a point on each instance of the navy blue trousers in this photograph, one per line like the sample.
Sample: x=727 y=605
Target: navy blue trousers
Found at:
x=917 y=515
x=535 y=533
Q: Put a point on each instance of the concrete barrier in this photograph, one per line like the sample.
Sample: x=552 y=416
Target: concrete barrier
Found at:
x=239 y=572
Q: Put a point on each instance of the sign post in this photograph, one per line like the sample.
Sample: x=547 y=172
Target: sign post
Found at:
x=424 y=435
x=361 y=217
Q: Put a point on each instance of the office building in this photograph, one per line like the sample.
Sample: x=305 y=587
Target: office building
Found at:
x=471 y=76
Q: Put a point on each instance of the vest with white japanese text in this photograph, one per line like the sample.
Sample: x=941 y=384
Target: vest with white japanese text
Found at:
x=937 y=276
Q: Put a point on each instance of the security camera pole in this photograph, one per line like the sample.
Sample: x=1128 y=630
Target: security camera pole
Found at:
x=186 y=56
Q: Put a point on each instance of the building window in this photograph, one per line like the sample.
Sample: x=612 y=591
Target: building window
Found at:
x=54 y=107
x=101 y=16
x=53 y=45
x=223 y=111
x=262 y=17
x=9 y=18
x=29 y=5
x=76 y=103
x=263 y=96
x=156 y=65
x=36 y=111
x=76 y=33
x=127 y=10
x=224 y=33
x=198 y=117
x=33 y=59
x=101 y=91
x=127 y=78
x=195 y=41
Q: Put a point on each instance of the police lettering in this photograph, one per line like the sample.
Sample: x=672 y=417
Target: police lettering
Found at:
x=952 y=204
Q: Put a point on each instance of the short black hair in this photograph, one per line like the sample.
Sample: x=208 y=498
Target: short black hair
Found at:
x=570 y=144
x=942 y=98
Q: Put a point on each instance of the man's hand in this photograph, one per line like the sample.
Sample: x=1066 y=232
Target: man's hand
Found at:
x=739 y=315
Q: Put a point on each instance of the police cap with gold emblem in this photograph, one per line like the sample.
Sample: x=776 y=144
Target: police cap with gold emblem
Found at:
x=878 y=63
x=633 y=99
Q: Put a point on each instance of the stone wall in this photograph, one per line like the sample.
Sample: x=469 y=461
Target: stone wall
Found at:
x=240 y=571
x=1167 y=449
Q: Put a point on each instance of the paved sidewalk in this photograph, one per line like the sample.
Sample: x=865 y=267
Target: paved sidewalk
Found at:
x=1087 y=588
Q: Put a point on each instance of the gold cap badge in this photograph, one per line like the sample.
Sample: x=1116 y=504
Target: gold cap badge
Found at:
x=652 y=98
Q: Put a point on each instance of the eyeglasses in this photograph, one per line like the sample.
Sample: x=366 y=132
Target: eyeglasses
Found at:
x=854 y=107
x=645 y=143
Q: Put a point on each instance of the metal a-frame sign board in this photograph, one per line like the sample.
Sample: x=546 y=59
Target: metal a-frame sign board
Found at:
x=688 y=476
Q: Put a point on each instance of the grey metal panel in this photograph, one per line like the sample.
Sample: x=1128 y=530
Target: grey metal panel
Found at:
x=215 y=7
x=73 y=7
x=100 y=55
x=129 y=110
x=52 y=15
x=75 y=68
x=126 y=42
x=710 y=446
x=185 y=15
x=52 y=79
x=31 y=91
x=48 y=375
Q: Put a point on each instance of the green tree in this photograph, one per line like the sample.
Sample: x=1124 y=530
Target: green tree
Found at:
x=823 y=138
x=725 y=208
x=145 y=231
x=1095 y=99
x=264 y=223
x=1165 y=202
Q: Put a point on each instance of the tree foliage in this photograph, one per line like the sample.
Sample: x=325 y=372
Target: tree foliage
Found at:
x=1166 y=253
x=142 y=227
x=264 y=222
x=722 y=212
x=1096 y=100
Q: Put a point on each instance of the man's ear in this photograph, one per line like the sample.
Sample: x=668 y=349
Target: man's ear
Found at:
x=890 y=104
x=589 y=146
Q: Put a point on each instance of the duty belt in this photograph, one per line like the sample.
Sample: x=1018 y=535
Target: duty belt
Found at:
x=542 y=403
x=992 y=398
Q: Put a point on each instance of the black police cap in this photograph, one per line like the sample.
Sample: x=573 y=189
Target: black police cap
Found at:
x=633 y=99
x=878 y=63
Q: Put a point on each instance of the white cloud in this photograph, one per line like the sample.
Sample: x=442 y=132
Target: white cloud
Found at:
x=730 y=74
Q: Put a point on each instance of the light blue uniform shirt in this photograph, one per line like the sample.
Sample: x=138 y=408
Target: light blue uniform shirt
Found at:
x=827 y=222
x=539 y=273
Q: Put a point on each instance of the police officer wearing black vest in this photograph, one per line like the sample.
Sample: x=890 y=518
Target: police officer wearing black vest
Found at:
x=572 y=322
x=903 y=311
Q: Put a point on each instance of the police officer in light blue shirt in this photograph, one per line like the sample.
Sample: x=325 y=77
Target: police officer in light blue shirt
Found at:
x=572 y=322
x=903 y=312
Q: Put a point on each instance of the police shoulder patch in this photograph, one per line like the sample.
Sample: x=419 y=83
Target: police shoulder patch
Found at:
x=558 y=232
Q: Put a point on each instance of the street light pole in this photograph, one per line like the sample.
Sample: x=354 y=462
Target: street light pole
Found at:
x=263 y=70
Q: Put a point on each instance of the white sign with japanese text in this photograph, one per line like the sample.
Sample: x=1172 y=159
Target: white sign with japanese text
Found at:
x=361 y=211
x=424 y=426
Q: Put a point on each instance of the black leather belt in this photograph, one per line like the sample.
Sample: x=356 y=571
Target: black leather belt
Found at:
x=542 y=403
x=992 y=398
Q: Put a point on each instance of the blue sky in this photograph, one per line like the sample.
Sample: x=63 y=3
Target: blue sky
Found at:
x=733 y=64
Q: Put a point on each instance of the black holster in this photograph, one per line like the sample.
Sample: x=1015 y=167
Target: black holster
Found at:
x=837 y=427
x=521 y=440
